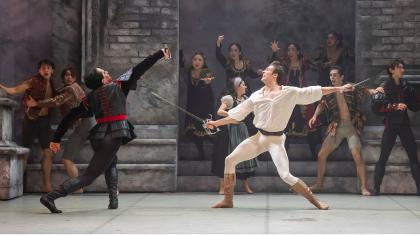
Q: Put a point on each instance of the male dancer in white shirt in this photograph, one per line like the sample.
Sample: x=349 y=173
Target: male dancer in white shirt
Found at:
x=272 y=106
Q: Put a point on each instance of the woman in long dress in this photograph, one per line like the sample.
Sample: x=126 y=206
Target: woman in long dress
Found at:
x=231 y=136
x=200 y=100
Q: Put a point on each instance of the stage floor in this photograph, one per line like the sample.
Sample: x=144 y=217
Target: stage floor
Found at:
x=191 y=213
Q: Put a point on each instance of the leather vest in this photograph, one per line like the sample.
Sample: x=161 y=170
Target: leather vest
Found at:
x=106 y=101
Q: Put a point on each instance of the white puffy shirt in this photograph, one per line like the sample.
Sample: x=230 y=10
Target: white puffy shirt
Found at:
x=273 y=114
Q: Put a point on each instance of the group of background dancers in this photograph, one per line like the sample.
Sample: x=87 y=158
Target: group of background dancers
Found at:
x=283 y=106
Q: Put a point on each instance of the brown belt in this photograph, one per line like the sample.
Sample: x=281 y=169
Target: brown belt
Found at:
x=268 y=133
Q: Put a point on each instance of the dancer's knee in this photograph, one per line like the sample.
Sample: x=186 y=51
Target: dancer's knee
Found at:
x=288 y=178
x=230 y=162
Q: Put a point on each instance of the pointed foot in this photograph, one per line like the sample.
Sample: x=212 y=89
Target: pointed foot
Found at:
x=49 y=204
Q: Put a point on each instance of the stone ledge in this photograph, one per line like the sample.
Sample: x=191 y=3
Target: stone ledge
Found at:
x=137 y=151
x=371 y=150
x=267 y=168
x=15 y=150
x=9 y=102
x=37 y=166
x=132 y=178
x=265 y=184
x=397 y=179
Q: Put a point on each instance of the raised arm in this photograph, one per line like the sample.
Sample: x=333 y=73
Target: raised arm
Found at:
x=219 y=55
x=17 y=89
x=138 y=70
x=276 y=52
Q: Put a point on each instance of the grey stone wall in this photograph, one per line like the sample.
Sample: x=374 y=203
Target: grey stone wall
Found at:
x=66 y=35
x=136 y=29
x=386 y=30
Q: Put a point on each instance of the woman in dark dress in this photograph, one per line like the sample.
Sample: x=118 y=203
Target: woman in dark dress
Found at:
x=235 y=65
x=296 y=65
x=231 y=136
x=200 y=100
x=335 y=53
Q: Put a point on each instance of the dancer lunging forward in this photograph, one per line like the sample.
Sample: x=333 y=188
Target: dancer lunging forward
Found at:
x=107 y=103
x=272 y=106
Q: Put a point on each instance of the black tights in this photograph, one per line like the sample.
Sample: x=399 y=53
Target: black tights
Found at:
x=408 y=142
x=105 y=151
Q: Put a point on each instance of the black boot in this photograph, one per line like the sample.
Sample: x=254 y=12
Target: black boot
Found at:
x=415 y=172
x=48 y=200
x=67 y=187
x=111 y=178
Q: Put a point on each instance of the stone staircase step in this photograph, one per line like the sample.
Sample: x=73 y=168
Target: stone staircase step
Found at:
x=397 y=179
x=132 y=178
x=269 y=184
x=372 y=149
x=138 y=151
x=296 y=152
x=148 y=131
x=373 y=132
x=267 y=168
x=156 y=131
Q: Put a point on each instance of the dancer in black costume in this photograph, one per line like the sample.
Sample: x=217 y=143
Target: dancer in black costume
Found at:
x=107 y=102
x=399 y=96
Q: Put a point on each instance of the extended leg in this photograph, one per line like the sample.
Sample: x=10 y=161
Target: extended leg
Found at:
x=409 y=144
x=248 y=149
x=104 y=152
x=280 y=159
x=388 y=140
x=71 y=170
x=111 y=178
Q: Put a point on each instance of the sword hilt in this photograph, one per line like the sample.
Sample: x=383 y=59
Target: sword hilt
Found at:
x=206 y=127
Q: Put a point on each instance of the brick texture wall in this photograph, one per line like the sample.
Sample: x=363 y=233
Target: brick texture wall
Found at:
x=136 y=29
x=386 y=30
x=139 y=28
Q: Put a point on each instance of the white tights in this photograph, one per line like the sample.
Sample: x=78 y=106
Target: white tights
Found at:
x=257 y=144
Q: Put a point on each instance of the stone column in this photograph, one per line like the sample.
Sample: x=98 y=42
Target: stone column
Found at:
x=11 y=155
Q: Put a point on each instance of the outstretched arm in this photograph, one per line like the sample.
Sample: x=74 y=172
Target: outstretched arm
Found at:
x=329 y=90
x=221 y=122
x=311 y=94
x=141 y=68
x=235 y=115
x=17 y=89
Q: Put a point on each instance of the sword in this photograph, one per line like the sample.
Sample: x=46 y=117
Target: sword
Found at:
x=206 y=129
x=360 y=83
